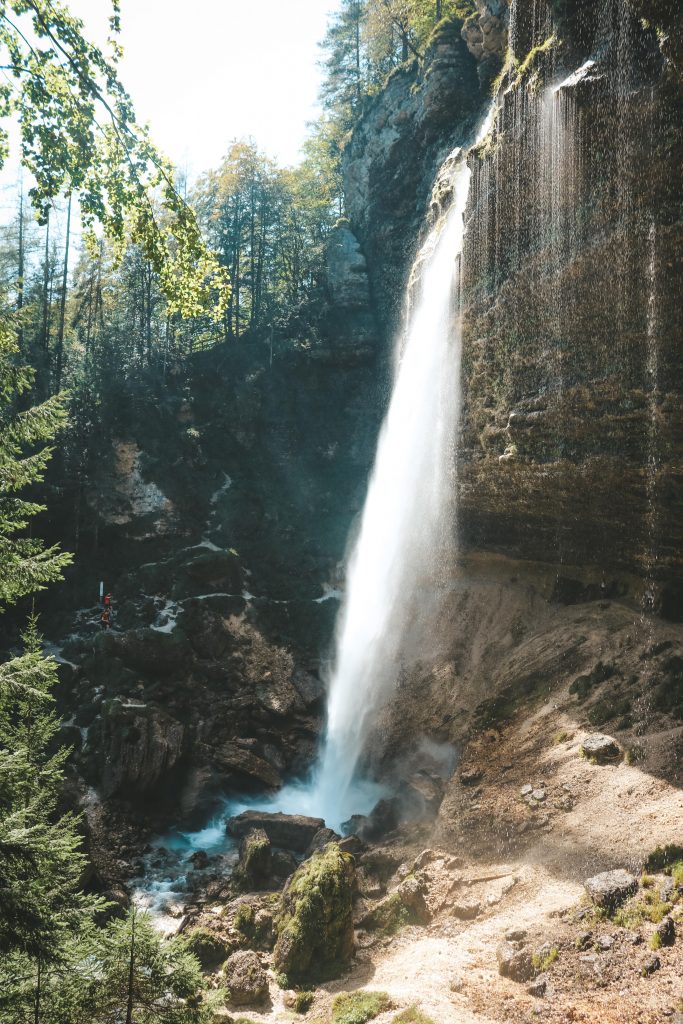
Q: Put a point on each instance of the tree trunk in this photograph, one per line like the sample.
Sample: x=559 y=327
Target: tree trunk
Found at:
x=45 y=333
x=131 y=974
x=62 y=304
x=20 y=268
x=357 y=41
x=36 y=1006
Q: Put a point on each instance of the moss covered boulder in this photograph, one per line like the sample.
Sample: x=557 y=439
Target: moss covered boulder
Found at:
x=254 y=865
x=210 y=949
x=314 y=924
x=245 y=978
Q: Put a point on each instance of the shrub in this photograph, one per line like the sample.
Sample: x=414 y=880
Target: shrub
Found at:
x=543 y=961
x=664 y=858
x=359 y=1007
x=412 y=1016
x=303 y=1001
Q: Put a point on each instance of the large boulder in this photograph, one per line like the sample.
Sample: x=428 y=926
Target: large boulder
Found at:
x=289 y=831
x=601 y=748
x=255 y=863
x=245 y=978
x=314 y=924
x=610 y=888
x=137 y=745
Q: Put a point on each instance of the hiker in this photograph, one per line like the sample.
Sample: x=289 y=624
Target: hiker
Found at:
x=105 y=618
x=107 y=601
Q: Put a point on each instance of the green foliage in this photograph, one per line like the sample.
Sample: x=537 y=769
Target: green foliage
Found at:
x=26 y=565
x=544 y=961
x=359 y=1007
x=665 y=858
x=656 y=941
x=648 y=907
x=303 y=1001
x=78 y=134
x=412 y=1015
x=158 y=979
x=45 y=920
x=315 y=923
x=532 y=56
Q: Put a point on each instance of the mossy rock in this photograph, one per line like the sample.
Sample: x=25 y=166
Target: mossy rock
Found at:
x=210 y=949
x=314 y=925
x=254 y=923
x=254 y=866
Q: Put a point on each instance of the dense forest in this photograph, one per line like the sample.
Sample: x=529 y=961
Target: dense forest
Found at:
x=114 y=272
x=380 y=455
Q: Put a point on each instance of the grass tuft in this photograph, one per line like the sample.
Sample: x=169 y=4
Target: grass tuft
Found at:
x=544 y=963
x=359 y=1007
x=412 y=1015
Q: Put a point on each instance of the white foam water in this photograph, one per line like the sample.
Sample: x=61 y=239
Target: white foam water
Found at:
x=406 y=536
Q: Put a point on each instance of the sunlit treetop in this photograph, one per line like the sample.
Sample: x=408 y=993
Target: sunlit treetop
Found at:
x=78 y=134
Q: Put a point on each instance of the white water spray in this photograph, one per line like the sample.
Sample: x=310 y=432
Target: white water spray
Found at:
x=406 y=531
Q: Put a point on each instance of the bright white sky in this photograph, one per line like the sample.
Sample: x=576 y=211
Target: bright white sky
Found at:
x=207 y=71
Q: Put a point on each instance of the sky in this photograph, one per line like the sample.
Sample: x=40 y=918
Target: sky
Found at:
x=203 y=72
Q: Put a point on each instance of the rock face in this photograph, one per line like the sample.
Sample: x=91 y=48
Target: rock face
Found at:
x=611 y=887
x=572 y=376
x=392 y=158
x=218 y=519
x=573 y=394
x=315 y=922
x=245 y=979
x=289 y=831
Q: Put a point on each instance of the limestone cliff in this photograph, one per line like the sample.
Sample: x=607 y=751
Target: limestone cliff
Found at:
x=570 y=450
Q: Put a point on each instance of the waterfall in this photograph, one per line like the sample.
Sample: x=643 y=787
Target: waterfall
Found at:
x=406 y=532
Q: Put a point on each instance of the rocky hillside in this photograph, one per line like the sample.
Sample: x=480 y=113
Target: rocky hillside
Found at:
x=216 y=508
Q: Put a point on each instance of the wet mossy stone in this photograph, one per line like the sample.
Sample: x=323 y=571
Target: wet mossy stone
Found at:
x=255 y=860
x=314 y=925
x=210 y=949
